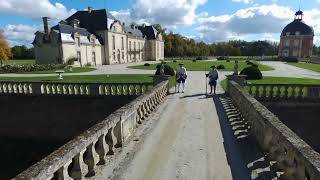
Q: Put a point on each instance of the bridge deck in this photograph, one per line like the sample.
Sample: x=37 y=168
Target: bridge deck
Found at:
x=189 y=140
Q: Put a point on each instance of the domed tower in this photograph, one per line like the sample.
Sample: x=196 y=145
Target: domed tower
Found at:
x=296 y=39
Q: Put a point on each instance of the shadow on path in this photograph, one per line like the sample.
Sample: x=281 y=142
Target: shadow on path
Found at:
x=246 y=159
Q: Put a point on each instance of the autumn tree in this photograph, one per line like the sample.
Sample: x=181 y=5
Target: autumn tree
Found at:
x=5 y=51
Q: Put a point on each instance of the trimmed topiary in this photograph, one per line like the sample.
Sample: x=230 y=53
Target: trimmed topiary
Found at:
x=252 y=73
x=194 y=60
x=220 y=58
x=146 y=64
x=221 y=67
x=168 y=70
x=174 y=61
x=290 y=59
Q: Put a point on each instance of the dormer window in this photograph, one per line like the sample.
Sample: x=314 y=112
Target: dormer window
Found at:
x=93 y=42
x=297 y=33
x=288 y=34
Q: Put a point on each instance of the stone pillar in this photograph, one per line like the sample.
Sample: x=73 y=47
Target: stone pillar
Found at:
x=240 y=79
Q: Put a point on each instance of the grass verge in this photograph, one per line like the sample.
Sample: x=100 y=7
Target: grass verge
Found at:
x=278 y=80
x=309 y=66
x=125 y=78
x=203 y=65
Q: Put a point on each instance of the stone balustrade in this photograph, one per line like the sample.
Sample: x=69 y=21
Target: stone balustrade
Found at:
x=79 y=158
x=293 y=157
x=80 y=89
x=284 y=91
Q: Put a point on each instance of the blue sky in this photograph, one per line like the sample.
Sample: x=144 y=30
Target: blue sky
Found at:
x=203 y=20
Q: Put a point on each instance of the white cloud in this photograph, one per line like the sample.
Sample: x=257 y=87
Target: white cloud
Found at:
x=165 y=12
x=35 y=8
x=20 y=34
x=264 y=22
x=243 y=1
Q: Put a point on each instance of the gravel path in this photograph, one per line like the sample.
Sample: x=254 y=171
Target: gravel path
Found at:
x=282 y=69
x=186 y=143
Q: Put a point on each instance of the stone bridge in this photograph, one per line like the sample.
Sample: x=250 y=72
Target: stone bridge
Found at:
x=163 y=135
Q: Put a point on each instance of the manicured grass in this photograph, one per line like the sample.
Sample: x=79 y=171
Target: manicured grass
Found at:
x=20 y=61
x=93 y=78
x=203 y=65
x=66 y=70
x=310 y=66
x=278 y=80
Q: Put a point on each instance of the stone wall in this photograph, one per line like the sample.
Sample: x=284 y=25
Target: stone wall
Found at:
x=79 y=158
x=294 y=157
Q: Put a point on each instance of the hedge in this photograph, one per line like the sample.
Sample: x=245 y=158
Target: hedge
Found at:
x=29 y=68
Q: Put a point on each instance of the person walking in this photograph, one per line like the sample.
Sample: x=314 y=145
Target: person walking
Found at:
x=213 y=77
x=181 y=77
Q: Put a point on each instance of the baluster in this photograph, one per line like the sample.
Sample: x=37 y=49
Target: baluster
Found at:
x=124 y=90
x=10 y=88
x=101 y=90
x=70 y=88
x=91 y=158
x=20 y=88
x=62 y=173
x=5 y=88
x=30 y=88
x=1 y=88
x=54 y=89
x=59 y=89
x=65 y=89
x=102 y=149
x=79 y=168
x=87 y=90
x=111 y=141
x=76 y=90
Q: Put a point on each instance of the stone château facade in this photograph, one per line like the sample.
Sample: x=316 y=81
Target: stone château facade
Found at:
x=296 y=39
x=96 y=37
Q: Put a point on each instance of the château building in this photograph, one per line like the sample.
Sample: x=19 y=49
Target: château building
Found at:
x=96 y=37
x=296 y=39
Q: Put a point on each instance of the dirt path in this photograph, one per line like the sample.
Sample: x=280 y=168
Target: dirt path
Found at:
x=186 y=143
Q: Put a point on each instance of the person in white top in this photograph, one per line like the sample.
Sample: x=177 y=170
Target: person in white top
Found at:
x=181 y=77
x=213 y=77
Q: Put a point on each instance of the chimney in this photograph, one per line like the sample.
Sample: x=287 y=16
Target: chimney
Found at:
x=90 y=9
x=46 y=25
x=75 y=23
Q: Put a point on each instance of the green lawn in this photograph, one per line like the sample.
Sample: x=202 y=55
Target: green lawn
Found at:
x=278 y=80
x=92 y=78
x=20 y=61
x=202 y=65
x=310 y=66
x=66 y=70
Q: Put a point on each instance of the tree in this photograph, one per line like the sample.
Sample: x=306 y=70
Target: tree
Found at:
x=22 y=52
x=5 y=51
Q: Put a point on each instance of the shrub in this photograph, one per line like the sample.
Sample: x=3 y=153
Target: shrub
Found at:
x=146 y=64
x=194 y=60
x=29 y=68
x=168 y=70
x=220 y=58
x=228 y=60
x=221 y=67
x=71 y=61
x=174 y=61
x=290 y=59
x=252 y=73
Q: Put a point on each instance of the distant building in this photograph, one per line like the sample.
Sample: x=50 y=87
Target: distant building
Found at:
x=96 y=37
x=296 y=39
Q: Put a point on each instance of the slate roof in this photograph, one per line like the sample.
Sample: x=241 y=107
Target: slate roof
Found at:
x=297 y=25
x=133 y=31
x=149 y=31
x=67 y=29
x=97 y=20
